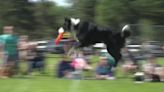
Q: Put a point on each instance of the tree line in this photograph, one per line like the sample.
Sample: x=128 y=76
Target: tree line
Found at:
x=41 y=19
x=145 y=15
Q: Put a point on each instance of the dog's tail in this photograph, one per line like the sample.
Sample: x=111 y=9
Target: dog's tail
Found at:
x=126 y=31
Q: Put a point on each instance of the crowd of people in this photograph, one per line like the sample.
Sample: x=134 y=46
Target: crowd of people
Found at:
x=75 y=66
x=15 y=50
x=147 y=70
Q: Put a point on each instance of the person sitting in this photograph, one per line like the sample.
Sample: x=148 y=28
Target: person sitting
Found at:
x=64 y=68
x=102 y=69
x=79 y=63
x=131 y=65
x=31 y=60
x=153 y=71
x=40 y=60
x=111 y=62
x=36 y=60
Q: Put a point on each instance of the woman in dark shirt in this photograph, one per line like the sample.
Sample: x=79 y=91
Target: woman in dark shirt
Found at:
x=64 y=67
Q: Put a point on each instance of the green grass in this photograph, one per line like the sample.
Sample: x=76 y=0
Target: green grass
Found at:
x=48 y=83
x=161 y=61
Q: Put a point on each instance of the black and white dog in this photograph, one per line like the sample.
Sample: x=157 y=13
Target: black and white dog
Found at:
x=88 y=33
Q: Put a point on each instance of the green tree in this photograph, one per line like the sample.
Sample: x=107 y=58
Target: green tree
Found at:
x=84 y=9
x=146 y=28
x=39 y=19
x=17 y=13
x=150 y=9
x=116 y=12
x=47 y=16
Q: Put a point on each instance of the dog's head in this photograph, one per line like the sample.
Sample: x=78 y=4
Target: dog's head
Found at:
x=70 y=23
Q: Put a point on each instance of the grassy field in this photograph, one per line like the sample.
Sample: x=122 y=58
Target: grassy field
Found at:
x=48 y=83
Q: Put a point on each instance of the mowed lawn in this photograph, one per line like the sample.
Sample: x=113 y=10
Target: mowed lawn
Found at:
x=48 y=83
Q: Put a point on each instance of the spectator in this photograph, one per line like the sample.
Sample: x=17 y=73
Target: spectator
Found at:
x=152 y=70
x=110 y=63
x=36 y=60
x=131 y=57
x=64 y=68
x=102 y=68
x=40 y=59
x=10 y=44
x=130 y=65
x=23 y=48
x=79 y=63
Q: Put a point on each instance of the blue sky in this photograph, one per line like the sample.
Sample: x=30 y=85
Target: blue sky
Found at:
x=60 y=2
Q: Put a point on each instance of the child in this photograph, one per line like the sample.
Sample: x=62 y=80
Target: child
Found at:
x=110 y=63
x=102 y=69
x=79 y=63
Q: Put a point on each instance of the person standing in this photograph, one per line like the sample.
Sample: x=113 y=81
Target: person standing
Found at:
x=10 y=45
x=23 y=47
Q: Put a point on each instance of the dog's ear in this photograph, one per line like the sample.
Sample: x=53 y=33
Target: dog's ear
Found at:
x=126 y=31
x=75 y=21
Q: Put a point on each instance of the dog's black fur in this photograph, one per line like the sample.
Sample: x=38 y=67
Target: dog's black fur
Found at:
x=88 y=34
